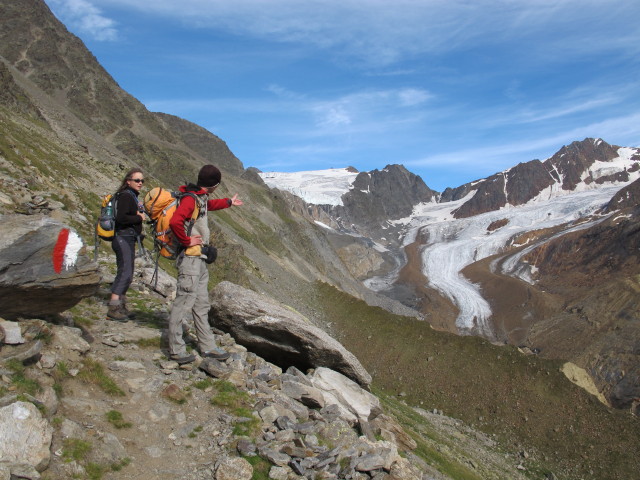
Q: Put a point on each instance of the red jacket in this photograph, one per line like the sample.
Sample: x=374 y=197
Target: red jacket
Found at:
x=185 y=210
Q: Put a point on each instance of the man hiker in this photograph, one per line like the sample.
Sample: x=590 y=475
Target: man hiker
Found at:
x=189 y=225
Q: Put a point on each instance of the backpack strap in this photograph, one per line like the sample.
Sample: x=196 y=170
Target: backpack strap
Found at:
x=196 y=211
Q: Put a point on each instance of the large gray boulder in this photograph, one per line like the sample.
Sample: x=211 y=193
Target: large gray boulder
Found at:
x=278 y=334
x=25 y=435
x=44 y=267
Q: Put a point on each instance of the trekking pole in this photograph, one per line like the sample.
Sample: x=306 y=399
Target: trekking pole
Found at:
x=155 y=273
x=95 y=243
x=144 y=253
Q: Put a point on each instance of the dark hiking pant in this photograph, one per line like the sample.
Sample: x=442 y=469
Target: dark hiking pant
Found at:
x=124 y=246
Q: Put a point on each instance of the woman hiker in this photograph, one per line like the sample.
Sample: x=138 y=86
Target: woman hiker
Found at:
x=129 y=218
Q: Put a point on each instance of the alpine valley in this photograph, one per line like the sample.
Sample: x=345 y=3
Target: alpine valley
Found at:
x=530 y=256
x=499 y=320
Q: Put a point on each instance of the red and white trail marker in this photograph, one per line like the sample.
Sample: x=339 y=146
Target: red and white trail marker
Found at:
x=65 y=252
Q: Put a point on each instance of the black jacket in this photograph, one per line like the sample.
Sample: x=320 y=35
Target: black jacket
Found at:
x=127 y=217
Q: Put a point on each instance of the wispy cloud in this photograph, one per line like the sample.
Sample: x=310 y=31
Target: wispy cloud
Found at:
x=504 y=155
x=532 y=116
x=361 y=108
x=86 y=17
x=379 y=32
x=364 y=111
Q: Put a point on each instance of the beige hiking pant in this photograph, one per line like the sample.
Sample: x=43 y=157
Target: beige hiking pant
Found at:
x=192 y=300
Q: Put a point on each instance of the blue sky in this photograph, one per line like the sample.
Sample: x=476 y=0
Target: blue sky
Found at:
x=455 y=90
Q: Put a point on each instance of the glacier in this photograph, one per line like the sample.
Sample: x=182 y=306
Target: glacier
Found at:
x=454 y=244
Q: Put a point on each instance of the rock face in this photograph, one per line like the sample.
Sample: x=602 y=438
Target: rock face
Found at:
x=278 y=334
x=43 y=267
x=626 y=197
x=25 y=436
x=382 y=195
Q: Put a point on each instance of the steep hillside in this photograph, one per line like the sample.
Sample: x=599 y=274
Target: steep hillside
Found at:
x=39 y=47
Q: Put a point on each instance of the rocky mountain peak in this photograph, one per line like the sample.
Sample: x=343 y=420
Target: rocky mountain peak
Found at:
x=569 y=165
x=580 y=165
x=380 y=196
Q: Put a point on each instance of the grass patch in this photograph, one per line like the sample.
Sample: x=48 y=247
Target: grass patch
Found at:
x=82 y=321
x=20 y=380
x=116 y=467
x=229 y=396
x=239 y=404
x=93 y=372
x=116 y=419
x=260 y=466
x=203 y=384
x=95 y=471
x=59 y=374
x=248 y=426
x=45 y=335
x=149 y=342
x=75 y=449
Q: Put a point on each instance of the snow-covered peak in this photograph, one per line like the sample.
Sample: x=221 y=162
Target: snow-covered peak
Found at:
x=317 y=187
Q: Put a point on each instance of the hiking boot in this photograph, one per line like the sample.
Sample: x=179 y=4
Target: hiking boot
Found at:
x=117 y=313
x=182 y=359
x=216 y=353
x=126 y=310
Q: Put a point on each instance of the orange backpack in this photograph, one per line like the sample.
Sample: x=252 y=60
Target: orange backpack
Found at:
x=160 y=204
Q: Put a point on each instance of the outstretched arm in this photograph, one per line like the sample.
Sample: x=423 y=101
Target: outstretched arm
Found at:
x=220 y=203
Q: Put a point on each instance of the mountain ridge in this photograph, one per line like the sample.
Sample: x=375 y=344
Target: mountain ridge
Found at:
x=561 y=249
x=51 y=158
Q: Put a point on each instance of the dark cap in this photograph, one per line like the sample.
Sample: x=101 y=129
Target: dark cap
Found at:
x=209 y=176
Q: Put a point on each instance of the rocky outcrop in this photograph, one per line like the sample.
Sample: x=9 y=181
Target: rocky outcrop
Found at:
x=489 y=195
x=209 y=146
x=279 y=334
x=357 y=404
x=44 y=267
x=12 y=95
x=380 y=196
x=627 y=197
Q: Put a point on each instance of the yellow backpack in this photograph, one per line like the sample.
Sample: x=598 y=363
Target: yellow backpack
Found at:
x=106 y=223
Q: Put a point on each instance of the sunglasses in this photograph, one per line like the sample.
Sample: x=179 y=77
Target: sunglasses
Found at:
x=137 y=180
